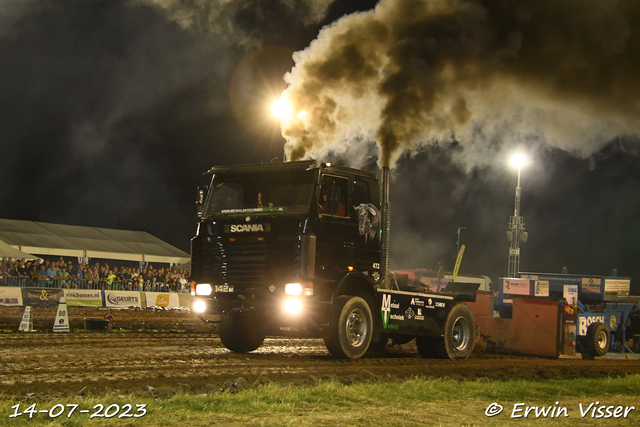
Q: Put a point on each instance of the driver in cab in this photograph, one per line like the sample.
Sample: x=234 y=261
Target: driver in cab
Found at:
x=325 y=209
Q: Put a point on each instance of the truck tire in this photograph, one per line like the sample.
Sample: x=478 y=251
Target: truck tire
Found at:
x=598 y=341
x=350 y=328
x=241 y=333
x=459 y=334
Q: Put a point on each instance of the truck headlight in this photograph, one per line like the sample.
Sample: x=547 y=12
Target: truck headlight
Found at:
x=298 y=289
x=293 y=289
x=203 y=289
x=199 y=306
x=292 y=306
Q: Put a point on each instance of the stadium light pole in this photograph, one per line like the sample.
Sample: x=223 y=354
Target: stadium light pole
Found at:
x=516 y=233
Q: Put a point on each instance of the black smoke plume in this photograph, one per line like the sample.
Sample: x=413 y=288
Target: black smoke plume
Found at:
x=481 y=73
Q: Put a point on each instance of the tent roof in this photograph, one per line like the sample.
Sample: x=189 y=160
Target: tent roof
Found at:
x=76 y=241
x=8 y=251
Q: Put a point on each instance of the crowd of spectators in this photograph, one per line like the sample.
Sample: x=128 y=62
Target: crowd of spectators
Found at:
x=65 y=274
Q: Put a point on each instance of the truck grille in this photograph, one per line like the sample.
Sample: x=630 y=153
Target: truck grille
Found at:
x=241 y=263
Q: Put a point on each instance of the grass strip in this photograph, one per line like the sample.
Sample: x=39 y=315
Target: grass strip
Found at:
x=412 y=402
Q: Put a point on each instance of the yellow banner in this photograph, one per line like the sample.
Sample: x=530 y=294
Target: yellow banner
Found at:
x=458 y=261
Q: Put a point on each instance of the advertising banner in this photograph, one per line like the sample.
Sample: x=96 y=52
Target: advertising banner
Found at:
x=121 y=299
x=616 y=288
x=511 y=287
x=162 y=299
x=10 y=296
x=83 y=297
x=591 y=285
x=41 y=297
x=541 y=288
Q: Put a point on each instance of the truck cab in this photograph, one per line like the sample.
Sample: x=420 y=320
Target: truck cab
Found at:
x=294 y=249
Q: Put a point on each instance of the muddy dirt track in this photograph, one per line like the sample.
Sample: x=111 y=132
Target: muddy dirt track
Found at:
x=162 y=352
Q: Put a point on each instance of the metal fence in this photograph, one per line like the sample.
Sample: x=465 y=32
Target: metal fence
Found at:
x=126 y=285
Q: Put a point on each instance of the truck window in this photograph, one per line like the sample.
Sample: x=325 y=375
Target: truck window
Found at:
x=360 y=193
x=334 y=196
x=255 y=192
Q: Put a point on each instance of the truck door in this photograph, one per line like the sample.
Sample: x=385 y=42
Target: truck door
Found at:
x=367 y=218
x=336 y=231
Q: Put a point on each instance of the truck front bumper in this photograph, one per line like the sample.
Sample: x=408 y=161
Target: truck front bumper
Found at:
x=288 y=314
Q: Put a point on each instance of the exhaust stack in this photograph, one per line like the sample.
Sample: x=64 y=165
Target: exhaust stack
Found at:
x=386 y=226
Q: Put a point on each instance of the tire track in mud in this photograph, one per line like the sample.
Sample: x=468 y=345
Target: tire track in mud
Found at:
x=97 y=363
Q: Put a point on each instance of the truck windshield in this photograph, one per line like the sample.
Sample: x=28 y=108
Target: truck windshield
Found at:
x=256 y=192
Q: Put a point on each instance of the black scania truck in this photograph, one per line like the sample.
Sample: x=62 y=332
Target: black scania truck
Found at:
x=301 y=249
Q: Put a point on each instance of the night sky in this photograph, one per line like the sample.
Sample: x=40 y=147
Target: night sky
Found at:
x=110 y=111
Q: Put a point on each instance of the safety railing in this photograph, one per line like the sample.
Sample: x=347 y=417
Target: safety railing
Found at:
x=115 y=285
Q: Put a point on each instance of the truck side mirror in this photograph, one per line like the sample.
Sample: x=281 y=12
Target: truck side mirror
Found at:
x=200 y=199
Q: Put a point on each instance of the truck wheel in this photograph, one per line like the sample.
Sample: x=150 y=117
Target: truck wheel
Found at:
x=459 y=333
x=430 y=347
x=240 y=333
x=350 y=328
x=598 y=341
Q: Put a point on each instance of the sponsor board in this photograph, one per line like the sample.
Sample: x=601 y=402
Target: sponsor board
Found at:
x=121 y=299
x=616 y=288
x=585 y=321
x=10 y=296
x=83 y=297
x=512 y=287
x=591 y=285
x=541 y=288
x=41 y=297
x=162 y=299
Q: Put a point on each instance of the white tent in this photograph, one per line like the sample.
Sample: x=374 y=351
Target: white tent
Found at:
x=88 y=242
x=7 y=251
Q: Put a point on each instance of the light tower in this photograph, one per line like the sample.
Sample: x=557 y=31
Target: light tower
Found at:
x=516 y=233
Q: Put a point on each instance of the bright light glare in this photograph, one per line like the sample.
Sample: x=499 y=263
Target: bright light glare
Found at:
x=203 y=289
x=292 y=306
x=199 y=306
x=519 y=160
x=293 y=289
x=302 y=113
x=280 y=108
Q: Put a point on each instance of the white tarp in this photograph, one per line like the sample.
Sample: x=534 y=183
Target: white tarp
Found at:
x=10 y=296
x=71 y=240
x=8 y=251
x=121 y=299
x=162 y=299
x=83 y=298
